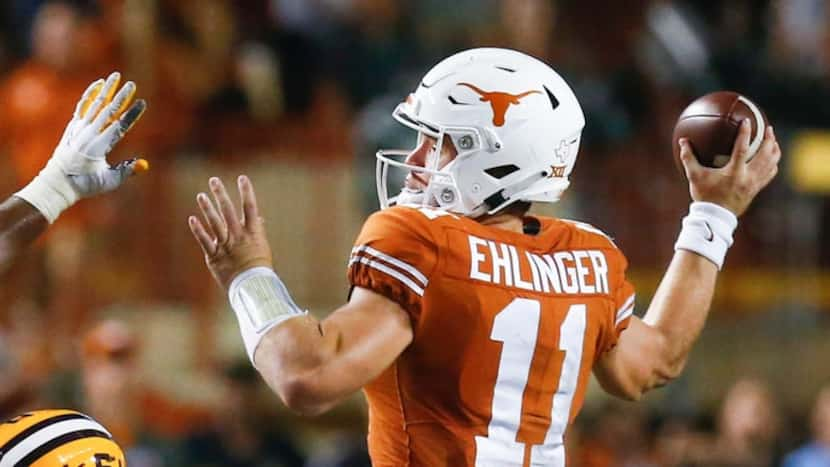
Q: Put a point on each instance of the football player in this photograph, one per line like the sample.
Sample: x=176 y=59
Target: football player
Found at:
x=57 y=438
x=471 y=326
x=78 y=168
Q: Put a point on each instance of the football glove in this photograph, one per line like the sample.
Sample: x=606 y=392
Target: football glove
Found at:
x=78 y=168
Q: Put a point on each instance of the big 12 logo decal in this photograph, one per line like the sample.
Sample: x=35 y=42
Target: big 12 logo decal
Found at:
x=101 y=460
x=106 y=460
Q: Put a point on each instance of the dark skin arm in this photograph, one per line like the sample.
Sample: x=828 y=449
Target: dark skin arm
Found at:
x=20 y=225
x=101 y=119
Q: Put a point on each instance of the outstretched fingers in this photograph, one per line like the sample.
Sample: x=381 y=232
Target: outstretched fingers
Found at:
x=117 y=129
x=87 y=97
x=205 y=240
x=102 y=97
x=249 y=204
x=226 y=208
x=128 y=118
x=215 y=224
x=115 y=107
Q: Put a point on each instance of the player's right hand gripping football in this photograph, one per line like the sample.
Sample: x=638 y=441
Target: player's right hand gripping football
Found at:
x=736 y=184
x=232 y=244
x=78 y=168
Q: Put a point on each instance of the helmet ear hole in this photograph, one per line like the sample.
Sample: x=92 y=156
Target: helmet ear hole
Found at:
x=501 y=171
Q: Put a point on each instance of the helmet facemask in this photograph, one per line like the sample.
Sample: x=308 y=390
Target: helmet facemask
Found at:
x=442 y=190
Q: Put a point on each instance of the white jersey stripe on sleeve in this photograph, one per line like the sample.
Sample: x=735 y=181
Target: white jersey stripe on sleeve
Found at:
x=389 y=271
x=393 y=261
x=625 y=311
x=623 y=314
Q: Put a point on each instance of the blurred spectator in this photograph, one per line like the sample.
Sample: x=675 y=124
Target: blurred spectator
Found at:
x=799 y=33
x=293 y=42
x=23 y=361
x=39 y=95
x=346 y=450
x=748 y=428
x=372 y=49
x=528 y=25
x=816 y=453
x=615 y=437
x=145 y=423
x=242 y=435
x=677 y=443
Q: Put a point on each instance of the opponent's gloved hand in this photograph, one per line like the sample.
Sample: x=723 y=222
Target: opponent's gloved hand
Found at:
x=78 y=167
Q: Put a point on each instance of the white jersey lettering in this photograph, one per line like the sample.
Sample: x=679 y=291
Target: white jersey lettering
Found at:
x=559 y=272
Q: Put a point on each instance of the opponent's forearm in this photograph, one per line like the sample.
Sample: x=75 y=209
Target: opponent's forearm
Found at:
x=681 y=304
x=20 y=225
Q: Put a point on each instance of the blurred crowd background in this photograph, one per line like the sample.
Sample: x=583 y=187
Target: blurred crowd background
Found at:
x=113 y=311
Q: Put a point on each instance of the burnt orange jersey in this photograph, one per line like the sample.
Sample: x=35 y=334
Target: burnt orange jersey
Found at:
x=507 y=327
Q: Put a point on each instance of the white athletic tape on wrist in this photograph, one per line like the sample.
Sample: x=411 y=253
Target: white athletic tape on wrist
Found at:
x=260 y=301
x=707 y=230
x=50 y=192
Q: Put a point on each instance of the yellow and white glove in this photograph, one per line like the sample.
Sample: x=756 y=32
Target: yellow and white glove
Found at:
x=78 y=168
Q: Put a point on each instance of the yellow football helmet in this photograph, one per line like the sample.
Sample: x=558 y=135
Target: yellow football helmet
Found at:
x=57 y=438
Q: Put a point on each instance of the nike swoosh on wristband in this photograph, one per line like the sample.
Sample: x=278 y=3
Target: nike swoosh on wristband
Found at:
x=711 y=235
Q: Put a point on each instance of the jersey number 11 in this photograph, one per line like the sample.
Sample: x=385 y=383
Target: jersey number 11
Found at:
x=517 y=327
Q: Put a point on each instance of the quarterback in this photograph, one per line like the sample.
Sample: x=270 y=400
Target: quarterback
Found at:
x=473 y=327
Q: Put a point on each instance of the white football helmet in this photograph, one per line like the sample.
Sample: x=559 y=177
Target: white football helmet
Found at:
x=514 y=122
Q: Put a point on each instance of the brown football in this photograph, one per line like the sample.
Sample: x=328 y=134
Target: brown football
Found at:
x=711 y=124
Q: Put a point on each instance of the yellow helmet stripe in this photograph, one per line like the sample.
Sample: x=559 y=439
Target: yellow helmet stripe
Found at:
x=51 y=433
x=29 y=431
x=36 y=454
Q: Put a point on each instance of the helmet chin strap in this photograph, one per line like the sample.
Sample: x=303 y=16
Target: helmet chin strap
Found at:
x=494 y=203
x=409 y=196
x=503 y=198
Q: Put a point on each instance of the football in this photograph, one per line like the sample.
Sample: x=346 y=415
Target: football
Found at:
x=711 y=125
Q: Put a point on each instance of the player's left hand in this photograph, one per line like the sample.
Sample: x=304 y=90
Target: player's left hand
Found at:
x=98 y=124
x=231 y=243
x=78 y=168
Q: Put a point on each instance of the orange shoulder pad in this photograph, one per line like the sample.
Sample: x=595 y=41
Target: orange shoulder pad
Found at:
x=394 y=255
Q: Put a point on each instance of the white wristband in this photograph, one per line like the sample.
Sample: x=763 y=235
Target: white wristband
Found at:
x=707 y=230
x=50 y=192
x=260 y=301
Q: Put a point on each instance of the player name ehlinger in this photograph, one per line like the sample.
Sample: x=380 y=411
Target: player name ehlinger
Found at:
x=568 y=272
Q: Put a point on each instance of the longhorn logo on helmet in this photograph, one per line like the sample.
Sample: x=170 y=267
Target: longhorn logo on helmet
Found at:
x=499 y=101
